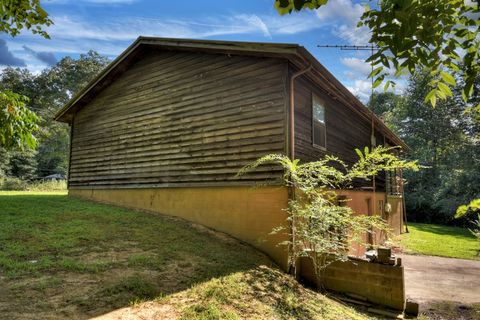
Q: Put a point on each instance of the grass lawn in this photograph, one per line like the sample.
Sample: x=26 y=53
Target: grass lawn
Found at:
x=63 y=258
x=438 y=240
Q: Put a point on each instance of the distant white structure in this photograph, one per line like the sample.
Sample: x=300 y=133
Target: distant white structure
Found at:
x=56 y=176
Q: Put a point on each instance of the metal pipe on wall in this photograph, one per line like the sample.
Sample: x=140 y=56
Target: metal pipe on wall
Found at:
x=292 y=109
x=291 y=144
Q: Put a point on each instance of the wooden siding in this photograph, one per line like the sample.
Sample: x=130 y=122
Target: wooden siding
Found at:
x=182 y=118
x=346 y=130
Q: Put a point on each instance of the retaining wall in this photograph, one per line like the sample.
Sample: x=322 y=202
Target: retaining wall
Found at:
x=379 y=283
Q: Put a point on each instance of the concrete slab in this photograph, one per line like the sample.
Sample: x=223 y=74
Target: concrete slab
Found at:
x=430 y=278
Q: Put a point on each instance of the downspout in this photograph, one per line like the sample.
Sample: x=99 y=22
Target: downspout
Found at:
x=291 y=143
x=292 y=109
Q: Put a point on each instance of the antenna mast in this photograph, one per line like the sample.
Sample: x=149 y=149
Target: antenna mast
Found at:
x=371 y=48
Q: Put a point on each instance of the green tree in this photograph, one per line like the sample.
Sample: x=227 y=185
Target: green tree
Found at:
x=445 y=139
x=4 y=162
x=58 y=85
x=382 y=103
x=17 y=123
x=23 y=165
x=49 y=91
x=23 y=14
x=441 y=36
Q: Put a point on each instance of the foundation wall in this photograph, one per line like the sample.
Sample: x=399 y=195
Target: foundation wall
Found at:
x=246 y=213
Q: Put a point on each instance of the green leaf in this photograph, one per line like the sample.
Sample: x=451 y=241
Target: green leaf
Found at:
x=375 y=71
x=432 y=97
x=444 y=89
x=387 y=85
x=448 y=78
x=377 y=82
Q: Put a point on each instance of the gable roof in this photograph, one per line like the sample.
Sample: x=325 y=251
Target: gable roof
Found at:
x=296 y=54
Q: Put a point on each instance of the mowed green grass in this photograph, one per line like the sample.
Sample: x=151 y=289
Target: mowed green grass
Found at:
x=438 y=240
x=52 y=232
x=62 y=257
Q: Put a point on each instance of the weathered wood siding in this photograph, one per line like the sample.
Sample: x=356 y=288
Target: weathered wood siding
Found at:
x=182 y=118
x=345 y=129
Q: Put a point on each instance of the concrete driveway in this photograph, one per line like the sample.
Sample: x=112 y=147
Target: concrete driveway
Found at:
x=430 y=278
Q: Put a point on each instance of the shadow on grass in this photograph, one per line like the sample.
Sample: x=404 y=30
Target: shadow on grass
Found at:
x=64 y=257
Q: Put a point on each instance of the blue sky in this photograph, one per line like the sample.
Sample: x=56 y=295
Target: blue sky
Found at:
x=109 y=26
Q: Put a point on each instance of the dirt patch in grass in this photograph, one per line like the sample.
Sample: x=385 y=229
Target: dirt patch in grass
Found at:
x=260 y=293
x=62 y=258
x=65 y=258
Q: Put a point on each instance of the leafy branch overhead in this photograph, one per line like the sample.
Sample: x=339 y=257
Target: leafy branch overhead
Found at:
x=23 y=14
x=17 y=122
x=441 y=36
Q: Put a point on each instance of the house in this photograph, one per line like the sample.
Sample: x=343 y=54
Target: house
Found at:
x=168 y=124
x=54 y=177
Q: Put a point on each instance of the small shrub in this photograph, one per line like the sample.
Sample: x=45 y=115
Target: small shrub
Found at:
x=476 y=230
x=321 y=227
x=51 y=185
x=14 y=184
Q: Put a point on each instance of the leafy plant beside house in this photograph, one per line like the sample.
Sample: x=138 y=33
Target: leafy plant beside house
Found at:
x=321 y=226
x=472 y=208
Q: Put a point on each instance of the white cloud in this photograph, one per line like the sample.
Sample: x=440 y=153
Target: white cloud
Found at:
x=340 y=10
x=357 y=66
x=75 y=34
x=130 y=28
x=256 y=22
x=344 y=16
x=353 y=35
x=361 y=89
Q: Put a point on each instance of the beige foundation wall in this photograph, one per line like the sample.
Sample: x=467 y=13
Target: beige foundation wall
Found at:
x=246 y=213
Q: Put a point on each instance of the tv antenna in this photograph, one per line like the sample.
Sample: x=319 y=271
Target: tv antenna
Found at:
x=372 y=48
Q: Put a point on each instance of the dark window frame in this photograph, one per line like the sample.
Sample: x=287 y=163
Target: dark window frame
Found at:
x=393 y=182
x=316 y=98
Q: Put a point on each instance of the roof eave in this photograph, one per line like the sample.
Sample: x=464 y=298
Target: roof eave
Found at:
x=355 y=102
x=234 y=47
x=61 y=115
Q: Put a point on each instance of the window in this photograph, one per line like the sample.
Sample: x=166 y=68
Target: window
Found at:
x=394 y=182
x=318 y=126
